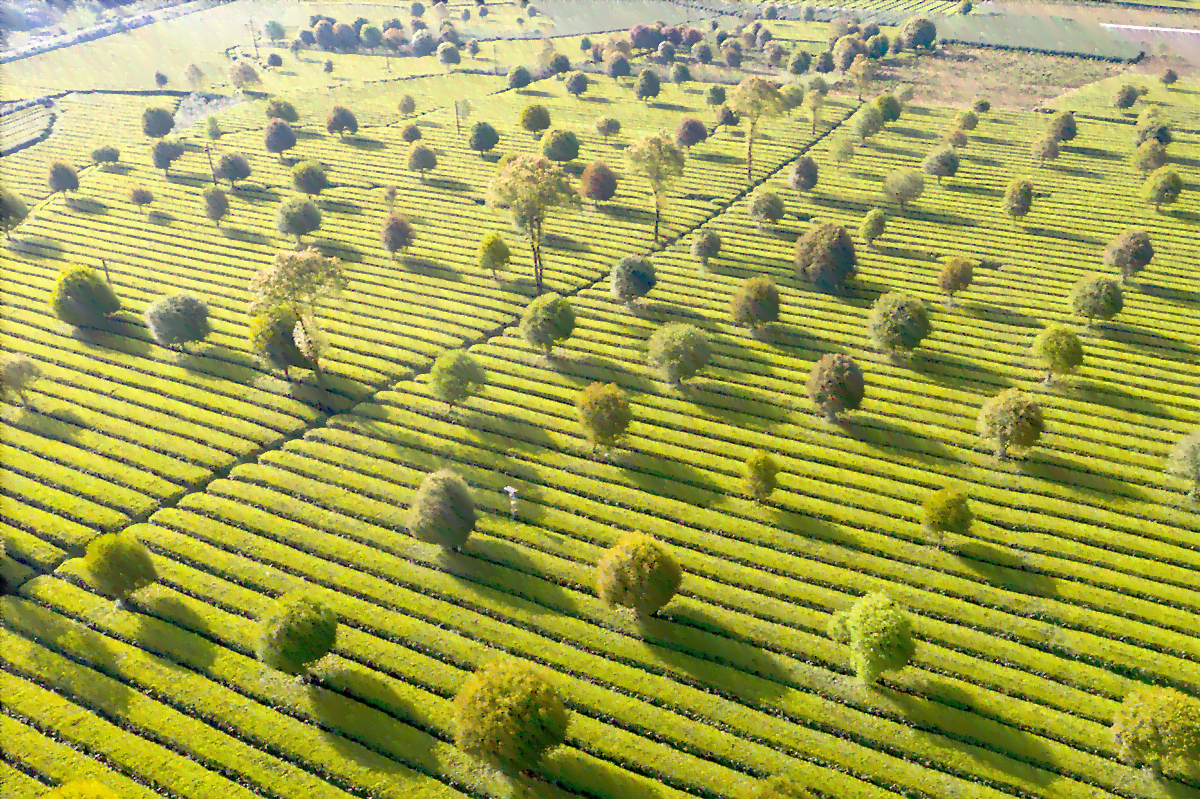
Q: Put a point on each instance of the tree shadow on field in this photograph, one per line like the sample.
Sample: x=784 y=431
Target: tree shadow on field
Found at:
x=736 y=404
x=800 y=341
x=911 y=133
x=719 y=158
x=1065 y=235
x=664 y=312
x=881 y=431
x=87 y=205
x=1092 y=152
x=302 y=134
x=1003 y=568
x=666 y=477
x=241 y=234
x=117 y=335
x=448 y=184
x=948 y=369
x=1143 y=339
x=998 y=315
x=63 y=424
x=505 y=572
x=534 y=93
x=1051 y=466
x=364 y=143
x=338 y=207
x=169 y=608
x=593 y=98
x=1115 y=396
x=902 y=152
x=429 y=268
x=1075 y=172
x=351 y=705
x=1169 y=293
x=585 y=775
x=671 y=107
x=967 y=188
x=160 y=217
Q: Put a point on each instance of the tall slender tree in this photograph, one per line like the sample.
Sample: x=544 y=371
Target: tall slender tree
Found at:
x=661 y=161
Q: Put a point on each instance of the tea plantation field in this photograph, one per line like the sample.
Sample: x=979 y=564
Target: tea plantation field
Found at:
x=1078 y=582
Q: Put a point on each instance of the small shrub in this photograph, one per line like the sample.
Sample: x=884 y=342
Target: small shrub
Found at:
x=759 y=475
x=947 y=511
x=509 y=715
x=604 y=413
x=547 y=320
x=957 y=274
x=410 y=133
x=680 y=74
x=1010 y=419
x=576 y=83
x=967 y=120
x=396 y=234
x=841 y=150
x=1168 y=77
x=165 y=152
x=296 y=632
x=715 y=95
x=274 y=60
x=598 y=183
x=456 y=376
x=637 y=573
x=825 y=256
x=874 y=224
x=678 y=352
x=898 y=323
x=836 y=385
x=824 y=62
x=981 y=106
x=766 y=207
x=888 y=107
x=879 y=634
x=213 y=128
x=82 y=298
x=755 y=303
x=448 y=55
x=706 y=245
x=483 y=137
x=245 y=75
x=955 y=137
x=443 y=512
x=119 y=565
x=178 y=320
x=632 y=277
x=1125 y=96
x=1184 y=461
x=1149 y=156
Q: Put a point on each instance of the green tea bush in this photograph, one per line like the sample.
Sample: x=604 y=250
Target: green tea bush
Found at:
x=509 y=715
x=443 y=511
x=778 y=786
x=81 y=297
x=637 y=573
x=879 y=635
x=296 y=632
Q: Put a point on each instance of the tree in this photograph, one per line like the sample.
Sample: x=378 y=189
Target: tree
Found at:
x=966 y=120
x=617 y=66
x=898 y=323
x=638 y=573
x=1184 y=461
x=245 y=75
x=799 y=63
x=274 y=60
x=825 y=255
x=879 y=634
x=297 y=216
x=836 y=385
x=119 y=565
x=509 y=715
x=576 y=83
x=297 y=282
x=273 y=340
x=1149 y=156
x=81 y=789
x=157 y=122
x=213 y=128
x=493 y=253
x=690 y=132
x=715 y=95
x=680 y=74
x=178 y=320
x=918 y=33
x=1059 y=349
x=279 y=137
x=456 y=376
x=759 y=475
x=766 y=207
x=678 y=351
x=410 y=133
x=407 y=105
x=866 y=122
x=1168 y=77
x=396 y=234
x=1163 y=187
x=706 y=245
x=954 y=136
x=547 y=320
x=607 y=126
x=803 y=174
x=1010 y=419
x=873 y=226
x=560 y=145
x=754 y=98
x=824 y=62
x=947 y=510
x=604 y=413
x=193 y=74
x=1096 y=296
x=82 y=298
x=140 y=196
x=1125 y=96
x=1158 y=727
x=1045 y=149
x=661 y=162
x=18 y=373
x=309 y=177
x=728 y=117
x=957 y=274
x=273 y=30
x=534 y=118
x=443 y=511
x=1129 y=253
x=863 y=72
x=232 y=167
x=62 y=177
x=165 y=152
x=647 y=86
x=558 y=64
x=1061 y=126
x=814 y=101
x=216 y=204
x=754 y=303
x=107 y=154
x=278 y=108
x=845 y=50
x=13 y=211
x=941 y=163
x=903 y=186
x=1018 y=199
x=296 y=632
x=340 y=120
x=531 y=187
x=448 y=55
x=632 y=277
x=518 y=78
x=421 y=158
x=598 y=183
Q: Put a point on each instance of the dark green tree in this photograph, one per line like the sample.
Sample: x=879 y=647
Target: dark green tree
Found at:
x=547 y=320
x=443 y=512
x=509 y=715
x=456 y=376
x=836 y=385
x=678 y=352
x=298 y=630
x=637 y=573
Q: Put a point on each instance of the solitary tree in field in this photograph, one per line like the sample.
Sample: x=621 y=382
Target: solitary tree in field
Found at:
x=547 y=320
x=216 y=204
x=955 y=136
x=836 y=385
x=1062 y=126
x=898 y=324
x=165 y=152
x=941 y=163
x=518 y=78
x=760 y=475
x=341 y=120
x=297 y=216
x=18 y=372
x=298 y=630
x=82 y=298
x=483 y=138
x=755 y=303
x=1018 y=199
x=103 y=156
x=1163 y=187
x=865 y=123
x=1125 y=96
x=661 y=162
x=903 y=186
x=705 y=246
x=889 y=107
x=245 y=75
x=825 y=256
x=1045 y=149
x=140 y=196
x=81 y=789
x=177 y=320
x=396 y=234
x=598 y=183
x=448 y=55
x=1168 y=77
x=1129 y=253
x=576 y=83
x=1158 y=727
x=560 y=146
x=814 y=101
x=299 y=282
x=157 y=122
x=493 y=253
x=232 y=167
x=604 y=413
x=119 y=565
x=1184 y=461
x=509 y=715
x=678 y=352
x=638 y=573
x=410 y=133
x=273 y=337
x=690 y=132
x=1149 y=156
x=407 y=105
x=534 y=118
x=456 y=376
x=879 y=635
x=803 y=175
x=648 y=85
x=1011 y=419
x=308 y=177
x=631 y=278
x=607 y=126
x=421 y=159
x=531 y=187
x=947 y=510
x=443 y=511
x=754 y=98
x=13 y=211
x=1096 y=297
x=765 y=207
x=278 y=108
x=1059 y=350
x=279 y=137
x=62 y=177
x=957 y=274
x=873 y=226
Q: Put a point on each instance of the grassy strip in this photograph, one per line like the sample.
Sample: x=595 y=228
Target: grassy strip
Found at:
x=59 y=502
x=101 y=491
x=18 y=785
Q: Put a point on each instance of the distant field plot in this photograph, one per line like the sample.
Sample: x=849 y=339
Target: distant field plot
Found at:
x=1043 y=34
x=1179 y=103
x=21 y=129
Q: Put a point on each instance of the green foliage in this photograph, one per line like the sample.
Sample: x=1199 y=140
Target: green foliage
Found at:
x=918 y=33
x=518 y=78
x=903 y=186
x=140 y=195
x=957 y=274
x=421 y=158
x=1045 y=149
x=106 y=155
x=1059 y=348
x=766 y=207
x=714 y=95
x=1158 y=727
x=62 y=177
x=1125 y=96
x=898 y=323
x=17 y=373
x=598 y=182
x=297 y=216
x=706 y=245
x=879 y=634
x=216 y=204
x=442 y=512
x=607 y=126
x=493 y=253
x=756 y=97
x=245 y=75
x=1149 y=156
x=680 y=73
x=1018 y=199
x=177 y=320
x=841 y=150
x=760 y=475
x=298 y=281
x=981 y=105
x=604 y=413
x=836 y=385
x=547 y=320
x=803 y=174
x=947 y=510
x=1061 y=126
x=1168 y=77
x=272 y=339
x=1010 y=419
x=13 y=210
x=81 y=789
x=1096 y=297
x=560 y=145
x=754 y=303
x=232 y=167
x=576 y=83
x=509 y=715
x=637 y=573
x=407 y=105
x=119 y=564
x=448 y=55
x=456 y=376
x=296 y=632
x=825 y=255
x=157 y=122
x=309 y=177
x=213 y=128
x=1184 y=461
x=396 y=233
x=941 y=163
x=1129 y=253
x=866 y=122
x=678 y=351
x=965 y=119
x=632 y=277
x=534 y=118
x=888 y=107
x=341 y=120
x=873 y=225
x=278 y=108
x=165 y=152
x=82 y=298
x=778 y=786
x=690 y=132
x=1163 y=187
x=661 y=162
x=279 y=137
x=845 y=49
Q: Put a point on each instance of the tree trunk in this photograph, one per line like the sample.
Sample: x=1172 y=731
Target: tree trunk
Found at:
x=656 y=216
x=750 y=153
x=1002 y=451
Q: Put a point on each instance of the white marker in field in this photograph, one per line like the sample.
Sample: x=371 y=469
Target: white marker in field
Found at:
x=512 y=501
